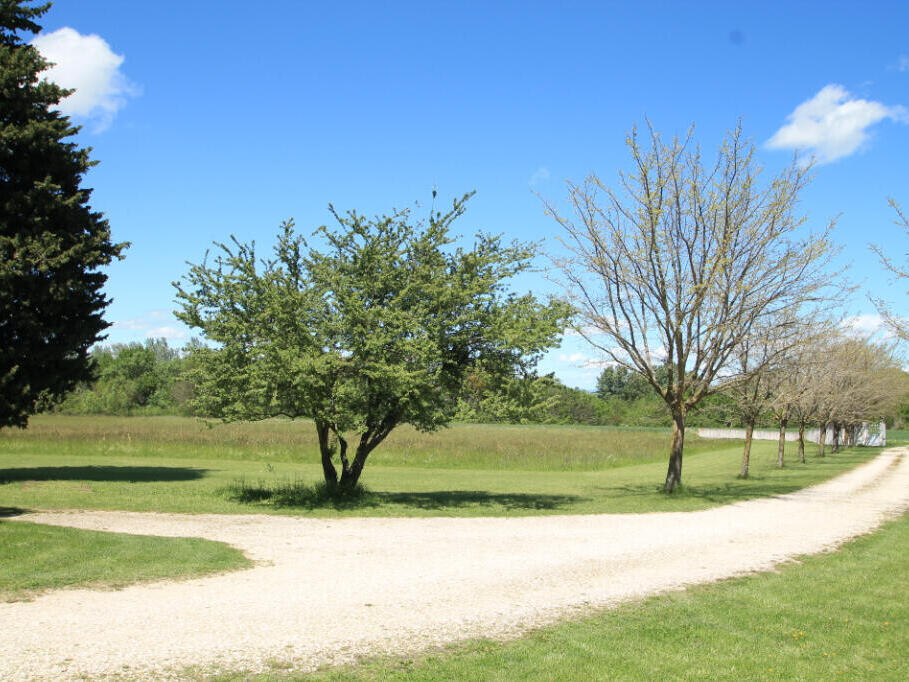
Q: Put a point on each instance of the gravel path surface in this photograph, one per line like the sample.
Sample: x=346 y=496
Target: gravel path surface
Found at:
x=328 y=591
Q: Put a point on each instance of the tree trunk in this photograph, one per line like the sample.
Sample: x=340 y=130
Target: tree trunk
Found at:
x=802 y=442
x=837 y=435
x=746 y=453
x=822 y=440
x=369 y=439
x=351 y=474
x=781 y=446
x=327 y=449
x=674 y=474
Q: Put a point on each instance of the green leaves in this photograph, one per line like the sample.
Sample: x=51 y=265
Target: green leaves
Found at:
x=378 y=328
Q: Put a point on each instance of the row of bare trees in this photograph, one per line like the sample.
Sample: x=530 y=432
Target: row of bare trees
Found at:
x=707 y=273
x=832 y=378
x=701 y=270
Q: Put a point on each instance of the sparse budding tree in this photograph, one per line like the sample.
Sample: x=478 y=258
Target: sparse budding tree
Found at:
x=758 y=366
x=860 y=381
x=793 y=398
x=897 y=323
x=378 y=329
x=682 y=263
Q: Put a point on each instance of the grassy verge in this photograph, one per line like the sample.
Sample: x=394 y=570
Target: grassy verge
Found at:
x=833 y=616
x=37 y=558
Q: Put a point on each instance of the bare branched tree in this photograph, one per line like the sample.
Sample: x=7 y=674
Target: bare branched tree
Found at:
x=681 y=264
x=860 y=380
x=898 y=324
x=759 y=365
x=794 y=399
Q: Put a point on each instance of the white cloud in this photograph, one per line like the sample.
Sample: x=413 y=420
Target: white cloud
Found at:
x=151 y=325
x=833 y=124
x=867 y=324
x=903 y=63
x=540 y=175
x=169 y=333
x=583 y=332
x=583 y=360
x=86 y=63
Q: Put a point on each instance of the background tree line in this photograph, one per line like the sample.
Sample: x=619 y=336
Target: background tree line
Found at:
x=149 y=378
x=154 y=378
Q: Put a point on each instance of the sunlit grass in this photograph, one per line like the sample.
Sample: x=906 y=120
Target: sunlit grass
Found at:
x=462 y=446
x=80 y=468
x=35 y=558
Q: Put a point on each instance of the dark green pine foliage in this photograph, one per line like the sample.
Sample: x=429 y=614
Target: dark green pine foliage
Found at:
x=51 y=242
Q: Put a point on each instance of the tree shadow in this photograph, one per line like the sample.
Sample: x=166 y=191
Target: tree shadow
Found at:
x=454 y=499
x=127 y=474
x=10 y=512
x=720 y=494
x=302 y=496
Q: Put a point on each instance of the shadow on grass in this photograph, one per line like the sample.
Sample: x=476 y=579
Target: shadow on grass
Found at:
x=9 y=512
x=301 y=495
x=101 y=473
x=723 y=494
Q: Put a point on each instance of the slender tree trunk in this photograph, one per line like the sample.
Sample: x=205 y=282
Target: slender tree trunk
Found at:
x=674 y=474
x=327 y=449
x=746 y=453
x=837 y=435
x=822 y=440
x=781 y=445
x=802 y=441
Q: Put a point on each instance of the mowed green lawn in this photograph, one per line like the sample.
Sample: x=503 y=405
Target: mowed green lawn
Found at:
x=35 y=558
x=183 y=465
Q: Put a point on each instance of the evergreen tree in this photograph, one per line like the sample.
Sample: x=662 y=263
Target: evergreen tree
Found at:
x=51 y=242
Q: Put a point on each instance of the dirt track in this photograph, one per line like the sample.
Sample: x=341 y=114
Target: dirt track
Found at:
x=328 y=591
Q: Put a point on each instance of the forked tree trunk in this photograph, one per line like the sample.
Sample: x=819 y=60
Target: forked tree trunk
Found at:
x=351 y=474
x=331 y=444
x=781 y=445
x=746 y=453
x=327 y=450
x=802 y=442
x=674 y=474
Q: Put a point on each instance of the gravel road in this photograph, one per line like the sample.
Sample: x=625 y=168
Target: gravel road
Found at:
x=328 y=591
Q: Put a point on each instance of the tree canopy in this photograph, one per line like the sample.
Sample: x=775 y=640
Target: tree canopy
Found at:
x=377 y=329
x=52 y=243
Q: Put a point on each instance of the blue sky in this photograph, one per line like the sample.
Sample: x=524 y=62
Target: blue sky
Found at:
x=217 y=118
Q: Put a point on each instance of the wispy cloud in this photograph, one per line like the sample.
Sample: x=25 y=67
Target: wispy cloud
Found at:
x=833 y=124
x=583 y=360
x=868 y=325
x=151 y=325
x=540 y=175
x=88 y=64
x=903 y=63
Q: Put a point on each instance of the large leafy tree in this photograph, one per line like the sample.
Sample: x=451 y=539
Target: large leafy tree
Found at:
x=379 y=328
x=52 y=243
